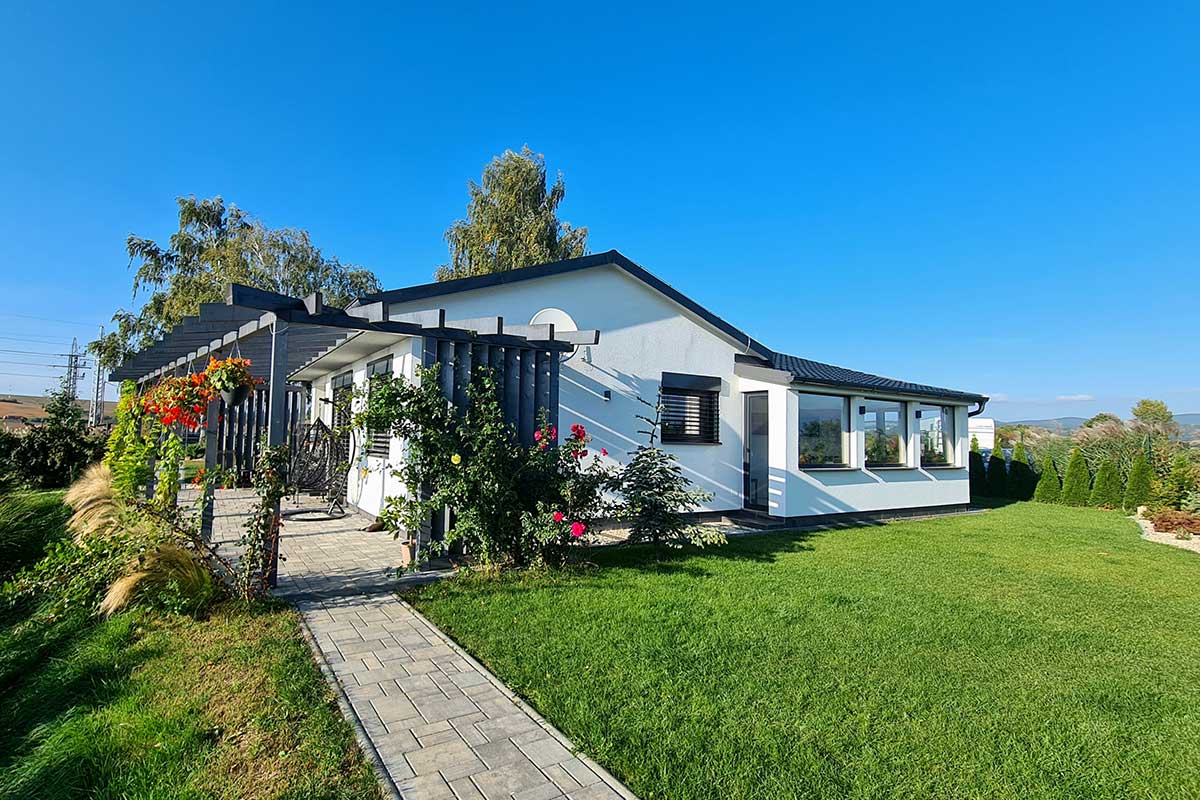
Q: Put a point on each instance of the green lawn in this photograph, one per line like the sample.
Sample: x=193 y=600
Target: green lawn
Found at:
x=148 y=705
x=1027 y=652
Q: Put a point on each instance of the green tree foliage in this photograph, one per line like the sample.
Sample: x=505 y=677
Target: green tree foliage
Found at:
x=1107 y=491
x=1077 y=484
x=215 y=245
x=1139 y=487
x=1048 y=488
x=997 y=472
x=1180 y=482
x=978 y=474
x=1021 y=480
x=54 y=453
x=512 y=221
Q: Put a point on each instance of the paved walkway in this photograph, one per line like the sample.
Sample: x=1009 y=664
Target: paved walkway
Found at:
x=435 y=721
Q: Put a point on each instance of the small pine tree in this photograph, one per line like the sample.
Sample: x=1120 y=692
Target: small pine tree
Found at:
x=1107 y=490
x=1048 y=487
x=997 y=473
x=1140 y=485
x=978 y=474
x=1021 y=479
x=1077 y=483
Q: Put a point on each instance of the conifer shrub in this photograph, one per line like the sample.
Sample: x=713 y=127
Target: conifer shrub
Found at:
x=1140 y=486
x=1077 y=483
x=1107 y=490
x=997 y=473
x=1048 y=488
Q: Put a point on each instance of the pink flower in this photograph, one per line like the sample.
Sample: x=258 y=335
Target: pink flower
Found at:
x=537 y=435
x=558 y=516
x=604 y=452
x=577 y=529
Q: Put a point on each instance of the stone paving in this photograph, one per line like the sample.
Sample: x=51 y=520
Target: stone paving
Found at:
x=436 y=723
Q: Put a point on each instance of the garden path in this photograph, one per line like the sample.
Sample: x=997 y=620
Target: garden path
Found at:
x=436 y=723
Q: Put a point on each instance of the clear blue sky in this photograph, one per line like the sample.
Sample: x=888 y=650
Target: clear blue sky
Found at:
x=1006 y=201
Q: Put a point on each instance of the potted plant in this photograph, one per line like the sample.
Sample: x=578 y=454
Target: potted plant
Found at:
x=231 y=377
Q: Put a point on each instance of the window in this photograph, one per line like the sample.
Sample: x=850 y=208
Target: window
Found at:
x=936 y=424
x=824 y=423
x=884 y=430
x=691 y=408
x=378 y=442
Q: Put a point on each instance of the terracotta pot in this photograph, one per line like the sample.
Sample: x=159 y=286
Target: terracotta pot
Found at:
x=236 y=396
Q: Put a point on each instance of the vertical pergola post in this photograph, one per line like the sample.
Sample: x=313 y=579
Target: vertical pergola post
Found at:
x=212 y=445
x=277 y=420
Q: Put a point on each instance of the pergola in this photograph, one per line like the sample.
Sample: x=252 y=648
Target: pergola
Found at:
x=289 y=338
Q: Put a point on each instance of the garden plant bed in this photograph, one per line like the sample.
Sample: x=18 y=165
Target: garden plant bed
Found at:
x=1029 y=651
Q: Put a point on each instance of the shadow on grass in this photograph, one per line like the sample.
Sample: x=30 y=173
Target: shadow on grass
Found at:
x=49 y=675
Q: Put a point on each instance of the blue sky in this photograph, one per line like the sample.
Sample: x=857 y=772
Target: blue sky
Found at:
x=1004 y=201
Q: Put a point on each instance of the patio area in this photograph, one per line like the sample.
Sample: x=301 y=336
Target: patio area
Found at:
x=435 y=722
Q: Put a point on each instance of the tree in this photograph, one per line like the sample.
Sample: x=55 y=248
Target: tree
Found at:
x=215 y=245
x=1139 y=487
x=1020 y=475
x=512 y=221
x=997 y=472
x=1077 y=483
x=978 y=474
x=1048 y=488
x=1180 y=482
x=1107 y=490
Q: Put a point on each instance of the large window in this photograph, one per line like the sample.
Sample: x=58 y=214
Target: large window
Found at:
x=823 y=430
x=936 y=424
x=379 y=442
x=883 y=426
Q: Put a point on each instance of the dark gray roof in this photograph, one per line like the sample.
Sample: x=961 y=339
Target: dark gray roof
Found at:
x=802 y=369
x=807 y=371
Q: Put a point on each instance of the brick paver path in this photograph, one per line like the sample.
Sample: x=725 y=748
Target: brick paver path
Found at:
x=435 y=721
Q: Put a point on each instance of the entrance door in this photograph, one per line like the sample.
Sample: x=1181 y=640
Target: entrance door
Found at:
x=755 y=437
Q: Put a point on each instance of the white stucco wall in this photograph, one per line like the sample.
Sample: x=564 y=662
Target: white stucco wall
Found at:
x=642 y=335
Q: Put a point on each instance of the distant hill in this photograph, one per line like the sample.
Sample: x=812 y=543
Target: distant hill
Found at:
x=1189 y=424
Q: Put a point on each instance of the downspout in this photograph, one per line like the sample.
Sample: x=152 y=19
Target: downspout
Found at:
x=982 y=405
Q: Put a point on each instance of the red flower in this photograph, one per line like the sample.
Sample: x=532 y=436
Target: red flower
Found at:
x=558 y=516
x=577 y=529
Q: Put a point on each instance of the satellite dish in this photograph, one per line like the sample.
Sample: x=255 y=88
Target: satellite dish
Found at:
x=561 y=321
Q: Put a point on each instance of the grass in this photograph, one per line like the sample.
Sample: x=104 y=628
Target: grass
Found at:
x=148 y=705
x=1031 y=651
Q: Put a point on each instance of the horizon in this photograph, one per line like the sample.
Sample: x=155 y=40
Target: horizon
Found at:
x=1000 y=202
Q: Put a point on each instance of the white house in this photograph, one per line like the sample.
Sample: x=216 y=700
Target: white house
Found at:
x=764 y=432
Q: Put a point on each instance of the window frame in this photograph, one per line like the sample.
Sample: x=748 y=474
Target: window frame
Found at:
x=379 y=443
x=949 y=435
x=847 y=439
x=710 y=396
x=901 y=461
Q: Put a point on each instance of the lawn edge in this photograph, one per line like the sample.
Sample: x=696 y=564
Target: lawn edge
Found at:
x=382 y=777
x=605 y=776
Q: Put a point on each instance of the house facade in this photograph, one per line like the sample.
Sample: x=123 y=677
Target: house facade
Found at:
x=777 y=435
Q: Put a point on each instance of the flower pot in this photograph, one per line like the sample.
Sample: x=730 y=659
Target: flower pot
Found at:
x=236 y=396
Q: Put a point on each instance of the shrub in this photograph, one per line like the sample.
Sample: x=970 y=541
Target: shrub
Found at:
x=1048 y=488
x=997 y=472
x=1021 y=479
x=169 y=576
x=1139 y=487
x=1077 y=483
x=29 y=523
x=1173 y=521
x=978 y=474
x=1180 y=482
x=1107 y=490
x=658 y=495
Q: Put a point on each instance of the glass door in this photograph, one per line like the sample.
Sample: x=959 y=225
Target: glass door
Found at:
x=755 y=443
